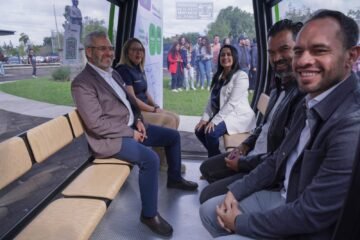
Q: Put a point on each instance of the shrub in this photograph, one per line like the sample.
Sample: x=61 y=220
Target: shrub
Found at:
x=61 y=74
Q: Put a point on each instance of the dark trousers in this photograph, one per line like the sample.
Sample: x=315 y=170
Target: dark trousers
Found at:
x=218 y=175
x=34 y=69
x=177 y=78
x=211 y=140
x=148 y=162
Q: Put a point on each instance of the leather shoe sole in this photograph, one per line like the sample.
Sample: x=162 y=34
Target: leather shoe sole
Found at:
x=183 y=185
x=158 y=225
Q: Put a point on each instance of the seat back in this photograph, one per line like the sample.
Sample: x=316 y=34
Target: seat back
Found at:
x=76 y=123
x=15 y=160
x=263 y=103
x=49 y=137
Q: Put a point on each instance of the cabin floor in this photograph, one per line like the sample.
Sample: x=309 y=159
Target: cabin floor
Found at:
x=179 y=208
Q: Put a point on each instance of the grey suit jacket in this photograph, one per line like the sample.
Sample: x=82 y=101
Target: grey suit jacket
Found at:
x=319 y=179
x=105 y=117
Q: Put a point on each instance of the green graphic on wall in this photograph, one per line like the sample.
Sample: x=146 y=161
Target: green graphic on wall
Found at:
x=155 y=39
x=152 y=39
x=158 y=40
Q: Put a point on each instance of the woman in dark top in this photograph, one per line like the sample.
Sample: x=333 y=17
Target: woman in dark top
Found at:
x=131 y=69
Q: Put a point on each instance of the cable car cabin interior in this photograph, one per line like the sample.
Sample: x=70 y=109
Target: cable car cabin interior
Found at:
x=48 y=186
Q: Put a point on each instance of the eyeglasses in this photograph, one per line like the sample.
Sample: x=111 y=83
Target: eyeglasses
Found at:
x=136 y=49
x=104 y=48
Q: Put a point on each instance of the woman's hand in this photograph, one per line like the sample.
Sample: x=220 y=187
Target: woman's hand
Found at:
x=200 y=125
x=210 y=127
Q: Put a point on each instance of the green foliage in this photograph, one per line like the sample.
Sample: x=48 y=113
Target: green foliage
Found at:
x=41 y=89
x=190 y=103
x=232 y=22
x=93 y=24
x=61 y=74
x=191 y=36
x=298 y=14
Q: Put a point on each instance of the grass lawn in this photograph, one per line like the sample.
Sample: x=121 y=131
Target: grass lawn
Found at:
x=44 y=89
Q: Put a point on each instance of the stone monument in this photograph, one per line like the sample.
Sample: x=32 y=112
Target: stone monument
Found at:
x=73 y=50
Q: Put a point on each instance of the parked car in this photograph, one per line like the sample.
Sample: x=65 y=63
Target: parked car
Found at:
x=40 y=59
x=13 y=60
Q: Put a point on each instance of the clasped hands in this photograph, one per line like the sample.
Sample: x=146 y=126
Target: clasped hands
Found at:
x=227 y=212
x=140 y=132
x=232 y=159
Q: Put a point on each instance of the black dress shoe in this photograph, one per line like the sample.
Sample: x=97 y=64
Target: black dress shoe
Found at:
x=158 y=225
x=183 y=185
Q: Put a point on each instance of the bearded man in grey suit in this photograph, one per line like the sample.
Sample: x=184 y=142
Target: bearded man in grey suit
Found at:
x=114 y=128
x=313 y=165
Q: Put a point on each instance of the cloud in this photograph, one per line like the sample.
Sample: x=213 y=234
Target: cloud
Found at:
x=36 y=17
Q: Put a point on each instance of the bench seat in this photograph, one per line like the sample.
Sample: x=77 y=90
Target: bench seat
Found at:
x=65 y=218
x=100 y=180
x=110 y=161
x=232 y=141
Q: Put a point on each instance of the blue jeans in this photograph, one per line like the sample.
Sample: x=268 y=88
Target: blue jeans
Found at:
x=205 y=71
x=148 y=162
x=211 y=140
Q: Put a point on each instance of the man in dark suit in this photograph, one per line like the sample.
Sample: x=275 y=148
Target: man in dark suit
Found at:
x=313 y=165
x=114 y=128
x=223 y=169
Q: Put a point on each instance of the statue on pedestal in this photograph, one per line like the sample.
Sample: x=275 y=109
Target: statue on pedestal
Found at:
x=73 y=15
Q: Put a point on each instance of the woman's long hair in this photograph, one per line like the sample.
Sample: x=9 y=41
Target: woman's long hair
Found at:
x=124 y=58
x=173 y=50
x=207 y=44
x=234 y=67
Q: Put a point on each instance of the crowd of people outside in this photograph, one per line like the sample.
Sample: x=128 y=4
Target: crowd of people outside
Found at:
x=192 y=66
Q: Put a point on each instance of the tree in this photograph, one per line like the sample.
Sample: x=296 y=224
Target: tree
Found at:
x=93 y=24
x=24 y=38
x=232 y=22
x=298 y=14
x=355 y=14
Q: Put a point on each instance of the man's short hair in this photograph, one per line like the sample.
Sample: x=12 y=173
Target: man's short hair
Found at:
x=348 y=27
x=285 y=24
x=89 y=38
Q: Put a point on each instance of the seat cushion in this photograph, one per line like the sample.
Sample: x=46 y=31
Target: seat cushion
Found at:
x=100 y=180
x=234 y=140
x=66 y=218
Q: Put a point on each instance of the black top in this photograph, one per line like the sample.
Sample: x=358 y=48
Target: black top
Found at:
x=133 y=76
x=215 y=96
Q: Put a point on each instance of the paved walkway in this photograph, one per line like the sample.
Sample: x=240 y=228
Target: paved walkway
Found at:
x=34 y=108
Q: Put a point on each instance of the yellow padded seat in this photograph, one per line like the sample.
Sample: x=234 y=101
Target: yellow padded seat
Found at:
x=14 y=160
x=101 y=180
x=66 y=218
x=49 y=137
x=76 y=123
x=111 y=161
x=232 y=141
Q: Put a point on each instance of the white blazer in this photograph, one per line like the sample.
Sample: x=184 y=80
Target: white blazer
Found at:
x=235 y=109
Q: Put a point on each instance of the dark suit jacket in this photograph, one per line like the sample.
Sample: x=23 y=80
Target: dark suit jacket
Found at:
x=319 y=179
x=104 y=115
x=278 y=127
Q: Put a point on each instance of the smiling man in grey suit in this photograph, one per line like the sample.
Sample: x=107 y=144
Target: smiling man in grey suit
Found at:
x=114 y=128
x=313 y=165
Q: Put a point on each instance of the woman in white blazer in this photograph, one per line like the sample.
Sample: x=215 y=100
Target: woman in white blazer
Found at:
x=228 y=109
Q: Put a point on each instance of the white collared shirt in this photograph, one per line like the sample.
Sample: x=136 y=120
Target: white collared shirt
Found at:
x=304 y=137
x=107 y=76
